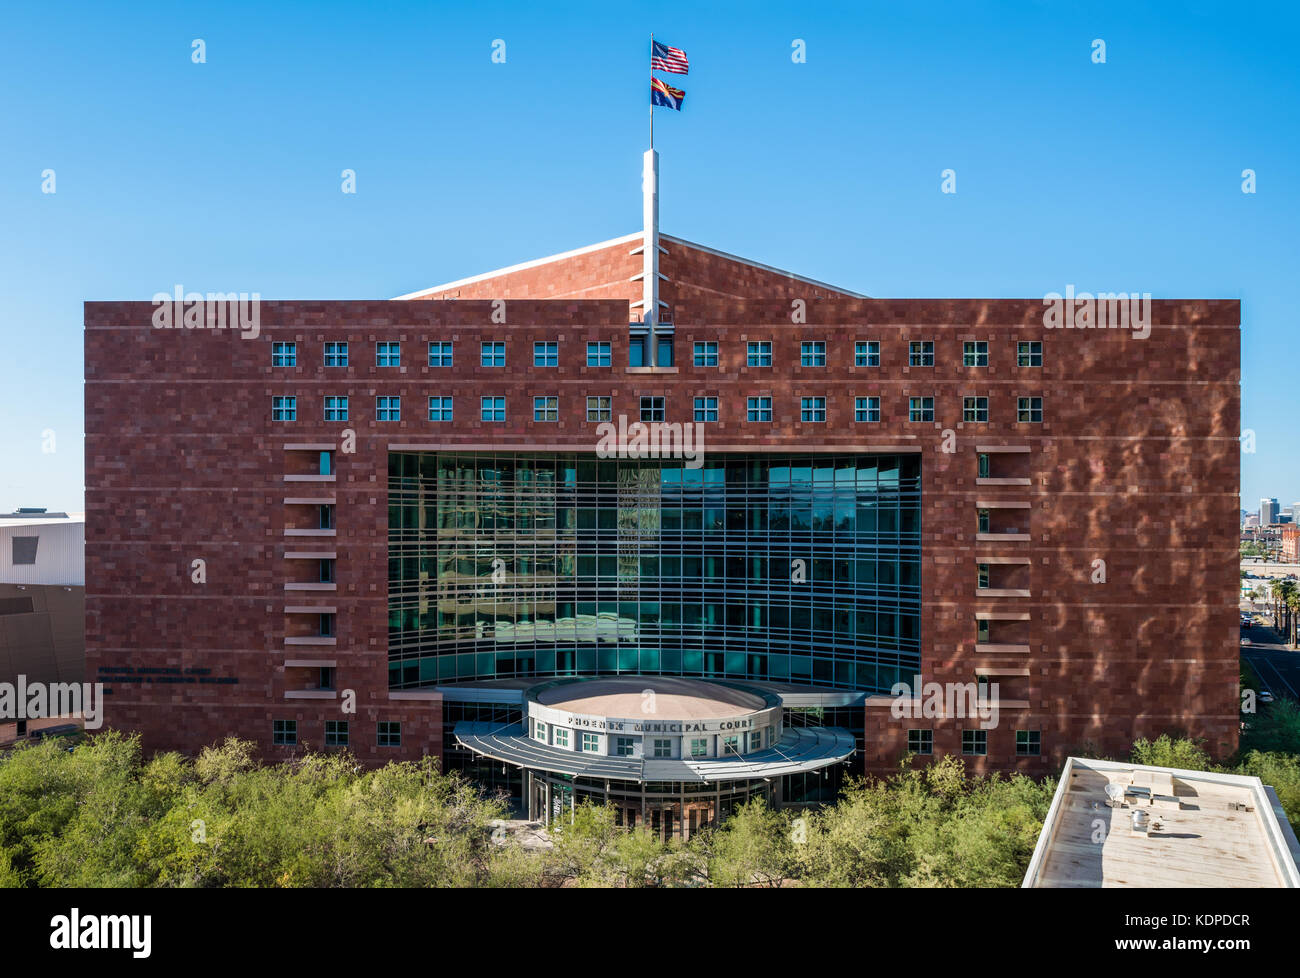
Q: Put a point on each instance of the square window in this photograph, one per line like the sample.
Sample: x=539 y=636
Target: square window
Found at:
x=598 y=355
x=388 y=408
x=706 y=354
x=561 y=737
x=336 y=408
x=336 y=733
x=600 y=408
x=546 y=408
x=590 y=743
x=730 y=746
x=284 y=409
x=1029 y=354
x=284 y=354
x=284 y=732
x=493 y=409
x=866 y=409
x=24 y=550
x=652 y=409
x=663 y=748
x=440 y=354
x=699 y=747
x=759 y=354
x=975 y=409
x=706 y=409
x=389 y=733
x=920 y=353
x=546 y=354
x=975 y=354
x=812 y=354
x=439 y=408
x=975 y=742
x=336 y=354
x=492 y=354
x=388 y=355
x=623 y=747
x=539 y=732
x=812 y=409
x=758 y=409
x=866 y=354
x=920 y=409
x=1029 y=410
x=756 y=740
x=1029 y=743
x=920 y=741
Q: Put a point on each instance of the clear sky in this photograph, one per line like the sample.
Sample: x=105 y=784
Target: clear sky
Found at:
x=225 y=176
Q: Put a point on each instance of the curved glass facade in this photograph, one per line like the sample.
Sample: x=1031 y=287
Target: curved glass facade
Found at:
x=793 y=568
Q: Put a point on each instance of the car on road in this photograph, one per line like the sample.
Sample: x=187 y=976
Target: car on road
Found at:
x=1265 y=696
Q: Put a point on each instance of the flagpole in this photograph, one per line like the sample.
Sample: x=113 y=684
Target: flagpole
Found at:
x=652 y=101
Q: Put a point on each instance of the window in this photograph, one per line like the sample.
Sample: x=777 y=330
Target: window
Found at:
x=652 y=409
x=982 y=521
x=975 y=354
x=706 y=354
x=758 y=409
x=326 y=516
x=439 y=354
x=598 y=355
x=326 y=463
x=975 y=409
x=590 y=743
x=982 y=631
x=982 y=576
x=975 y=742
x=561 y=737
x=1029 y=410
x=284 y=409
x=493 y=354
x=539 y=731
x=756 y=740
x=759 y=355
x=866 y=354
x=325 y=568
x=336 y=733
x=636 y=352
x=389 y=733
x=546 y=354
x=920 y=741
x=284 y=354
x=812 y=354
x=388 y=355
x=439 y=408
x=699 y=747
x=336 y=354
x=730 y=746
x=706 y=409
x=1029 y=743
x=600 y=408
x=665 y=348
x=663 y=748
x=866 y=409
x=336 y=409
x=546 y=408
x=623 y=746
x=493 y=409
x=920 y=409
x=920 y=354
x=24 y=550
x=982 y=460
x=1029 y=354
x=284 y=732
x=388 y=408
x=325 y=678
x=325 y=624
x=812 y=409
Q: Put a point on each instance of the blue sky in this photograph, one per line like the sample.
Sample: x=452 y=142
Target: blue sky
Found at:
x=226 y=175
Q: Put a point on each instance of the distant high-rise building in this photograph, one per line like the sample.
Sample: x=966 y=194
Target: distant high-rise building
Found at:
x=1267 y=511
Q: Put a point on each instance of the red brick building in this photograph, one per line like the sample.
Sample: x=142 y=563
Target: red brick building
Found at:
x=1078 y=494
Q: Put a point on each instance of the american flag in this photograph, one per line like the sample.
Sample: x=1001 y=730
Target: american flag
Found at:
x=664 y=58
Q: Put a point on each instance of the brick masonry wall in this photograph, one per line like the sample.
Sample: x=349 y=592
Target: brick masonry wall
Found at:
x=1136 y=463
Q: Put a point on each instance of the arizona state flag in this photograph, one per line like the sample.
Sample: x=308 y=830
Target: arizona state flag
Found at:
x=664 y=94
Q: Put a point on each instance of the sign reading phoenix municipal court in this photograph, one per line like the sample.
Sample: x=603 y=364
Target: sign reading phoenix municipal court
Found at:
x=656 y=726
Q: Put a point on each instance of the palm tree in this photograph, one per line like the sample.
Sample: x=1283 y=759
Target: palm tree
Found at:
x=1293 y=611
x=1275 y=588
